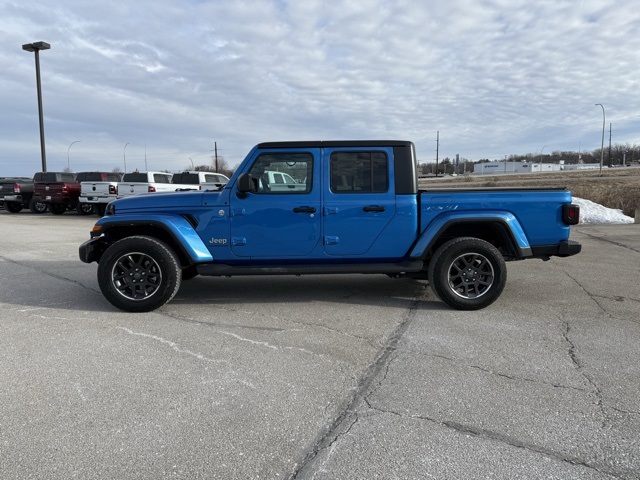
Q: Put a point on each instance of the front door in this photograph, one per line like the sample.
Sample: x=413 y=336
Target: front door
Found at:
x=282 y=217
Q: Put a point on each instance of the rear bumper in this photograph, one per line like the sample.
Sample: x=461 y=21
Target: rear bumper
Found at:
x=13 y=198
x=565 y=248
x=95 y=199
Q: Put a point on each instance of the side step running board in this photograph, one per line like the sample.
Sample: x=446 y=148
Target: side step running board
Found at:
x=216 y=269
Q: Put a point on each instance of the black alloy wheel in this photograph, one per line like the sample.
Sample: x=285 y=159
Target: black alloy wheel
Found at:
x=467 y=273
x=139 y=274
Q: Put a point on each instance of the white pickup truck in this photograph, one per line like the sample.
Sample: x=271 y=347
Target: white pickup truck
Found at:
x=134 y=183
x=114 y=186
x=197 y=180
x=98 y=189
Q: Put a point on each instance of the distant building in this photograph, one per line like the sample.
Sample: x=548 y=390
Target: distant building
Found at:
x=501 y=167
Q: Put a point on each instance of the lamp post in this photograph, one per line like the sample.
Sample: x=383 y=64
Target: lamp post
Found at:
x=602 y=146
x=540 y=158
x=35 y=48
x=124 y=155
x=192 y=167
x=68 y=162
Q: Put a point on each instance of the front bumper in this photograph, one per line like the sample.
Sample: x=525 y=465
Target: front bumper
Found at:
x=92 y=250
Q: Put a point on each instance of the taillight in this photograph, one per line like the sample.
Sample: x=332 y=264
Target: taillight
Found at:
x=17 y=188
x=113 y=189
x=65 y=189
x=570 y=214
x=152 y=188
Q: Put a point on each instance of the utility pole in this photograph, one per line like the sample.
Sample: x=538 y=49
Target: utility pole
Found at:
x=215 y=154
x=437 y=150
x=609 y=145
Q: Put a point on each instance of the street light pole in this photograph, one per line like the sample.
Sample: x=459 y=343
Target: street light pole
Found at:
x=540 y=158
x=602 y=146
x=35 y=48
x=68 y=162
x=124 y=155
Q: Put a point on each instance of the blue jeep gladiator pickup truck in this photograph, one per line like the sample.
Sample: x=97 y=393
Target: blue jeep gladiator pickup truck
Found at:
x=327 y=207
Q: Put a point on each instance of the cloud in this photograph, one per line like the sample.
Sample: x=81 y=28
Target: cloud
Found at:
x=494 y=77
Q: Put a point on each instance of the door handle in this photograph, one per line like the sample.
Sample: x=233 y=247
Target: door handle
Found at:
x=373 y=208
x=304 y=210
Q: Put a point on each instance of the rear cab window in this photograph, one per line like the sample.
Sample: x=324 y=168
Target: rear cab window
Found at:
x=359 y=172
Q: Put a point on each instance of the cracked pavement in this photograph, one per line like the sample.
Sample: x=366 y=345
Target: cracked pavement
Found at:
x=332 y=377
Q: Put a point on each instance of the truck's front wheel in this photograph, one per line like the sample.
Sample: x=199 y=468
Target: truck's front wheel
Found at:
x=139 y=274
x=467 y=273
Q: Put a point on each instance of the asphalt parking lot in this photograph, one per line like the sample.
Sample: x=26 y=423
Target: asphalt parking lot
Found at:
x=318 y=377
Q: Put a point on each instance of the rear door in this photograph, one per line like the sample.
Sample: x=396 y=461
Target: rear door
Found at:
x=360 y=200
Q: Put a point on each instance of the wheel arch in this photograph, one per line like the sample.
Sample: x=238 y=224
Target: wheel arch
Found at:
x=503 y=232
x=178 y=235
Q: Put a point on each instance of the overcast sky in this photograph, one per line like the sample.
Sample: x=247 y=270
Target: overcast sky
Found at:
x=169 y=78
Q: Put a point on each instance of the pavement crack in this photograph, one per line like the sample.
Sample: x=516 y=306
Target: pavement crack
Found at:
x=513 y=442
x=489 y=371
x=50 y=274
x=573 y=355
x=593 y=297
x=171 y=344
x=347 y=416
x=626 y=412
x=607 y=240
x=490 y=435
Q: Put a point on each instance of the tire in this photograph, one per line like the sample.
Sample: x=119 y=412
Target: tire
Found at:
x=189 y=273
x=84 y=208
x=57 y=208
x=37 y=207
x=13 y=207
x=467 y=273
x=99 y=209
x=139 y=274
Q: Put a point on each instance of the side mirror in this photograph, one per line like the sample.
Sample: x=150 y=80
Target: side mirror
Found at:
x=245 y=185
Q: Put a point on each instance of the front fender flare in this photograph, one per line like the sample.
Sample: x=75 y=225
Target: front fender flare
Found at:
x=175 y=225
x=442 y=222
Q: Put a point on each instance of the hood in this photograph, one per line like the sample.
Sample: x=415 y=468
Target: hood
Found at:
x=164 y=201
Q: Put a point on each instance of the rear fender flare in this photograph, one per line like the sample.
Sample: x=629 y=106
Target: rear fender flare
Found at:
x=444 y=221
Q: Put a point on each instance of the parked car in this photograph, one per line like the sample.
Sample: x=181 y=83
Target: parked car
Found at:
x=97 y=189
x=15 y=193
x=197 y=180
x=134 y=183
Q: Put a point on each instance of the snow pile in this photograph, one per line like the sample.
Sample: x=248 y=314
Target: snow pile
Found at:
x=591 y=212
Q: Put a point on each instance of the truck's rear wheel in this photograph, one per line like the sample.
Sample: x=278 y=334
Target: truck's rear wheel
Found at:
x=13 y=207
x=37 y=207
x=58 y=208
x=84 y=208
x=467 y=273
x=139 y=274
